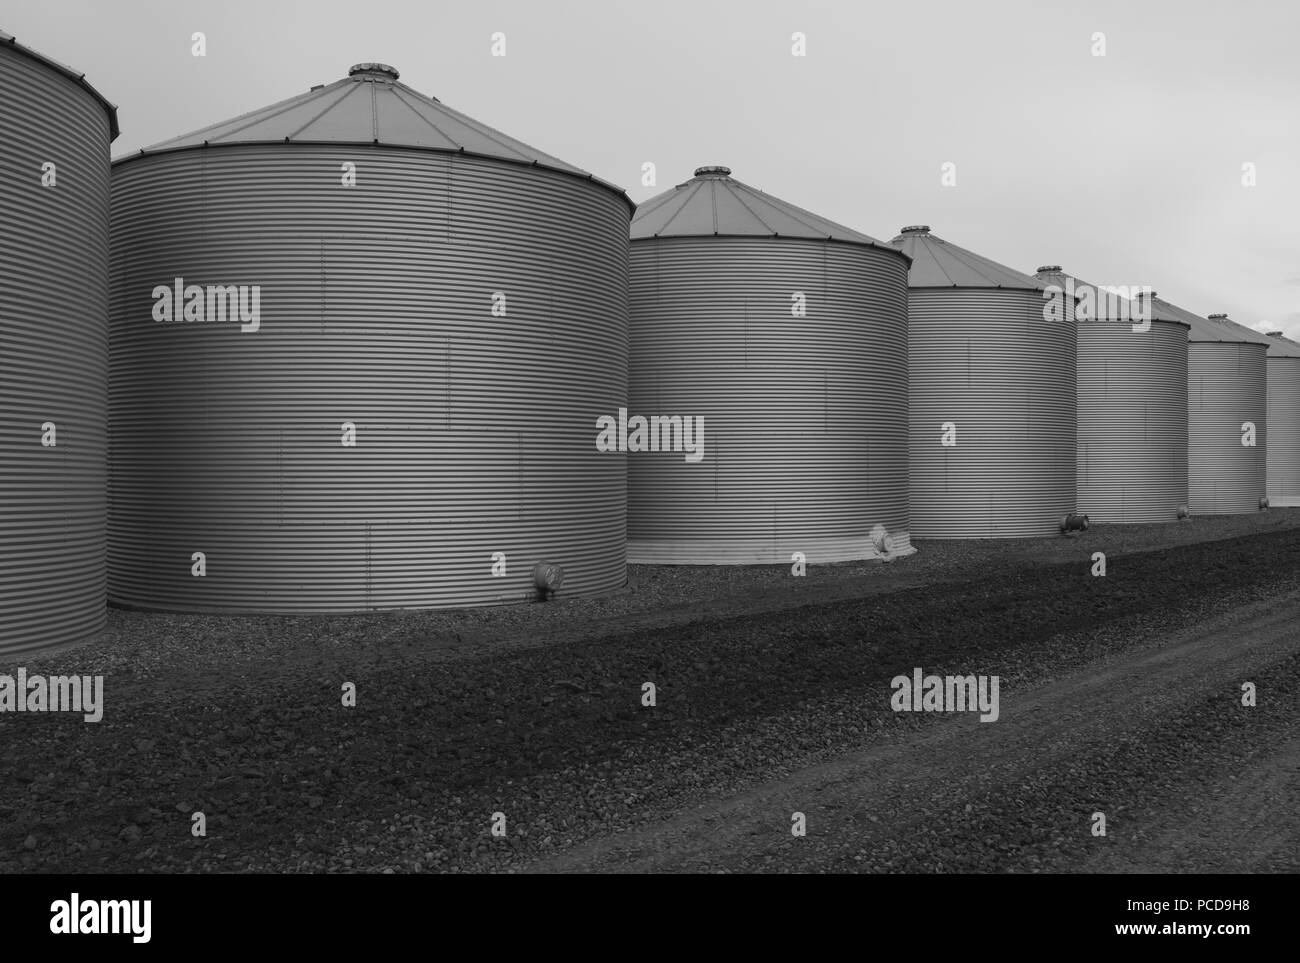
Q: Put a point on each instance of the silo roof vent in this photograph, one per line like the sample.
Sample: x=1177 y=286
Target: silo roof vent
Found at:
x=373 y=70
x=717 y=170
x=916 y=229
x=1050 y=269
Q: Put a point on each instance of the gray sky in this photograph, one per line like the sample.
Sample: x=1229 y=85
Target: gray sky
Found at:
x=1123 y=169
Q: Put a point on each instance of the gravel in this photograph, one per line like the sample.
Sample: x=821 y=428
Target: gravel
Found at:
x=535 y=710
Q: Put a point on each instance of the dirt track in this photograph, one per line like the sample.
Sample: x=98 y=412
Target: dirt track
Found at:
x=1118 y=694
x=1221 y=790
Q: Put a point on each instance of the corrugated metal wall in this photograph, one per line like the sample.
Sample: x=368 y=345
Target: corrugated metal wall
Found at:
x=53 y=355
x=986 y=360
x=1132 y=455
x=1283 y=455
x=1226 y=388
x=805 y=417
x=475 y=434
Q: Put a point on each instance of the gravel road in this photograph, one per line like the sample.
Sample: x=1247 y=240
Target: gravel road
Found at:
x=1156 y=738
x=1119 y=694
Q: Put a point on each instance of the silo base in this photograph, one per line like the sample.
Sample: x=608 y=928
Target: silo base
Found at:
x=1105 y=517
x=1238 y=506
x=1284 y=501
x=816 y=551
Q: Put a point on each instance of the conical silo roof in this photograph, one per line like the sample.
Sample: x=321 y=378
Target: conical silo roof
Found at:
x=1280 y=346
x=370 y=107
x=715 y=203
x=1163 y=311
x=1205 y=330
x=1114 y=307
x=8 y=40
x=937 y=263
x=1277 y=347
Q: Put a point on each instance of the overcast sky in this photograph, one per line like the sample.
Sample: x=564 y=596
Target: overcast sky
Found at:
x=1125 y=168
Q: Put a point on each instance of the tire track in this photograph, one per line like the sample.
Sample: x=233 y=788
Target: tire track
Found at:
x=920 y=801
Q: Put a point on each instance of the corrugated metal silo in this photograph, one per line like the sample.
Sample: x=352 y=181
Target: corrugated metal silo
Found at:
x=1283 y=453
x=409 y=422
x=992 y=369
x=1226 y=389
x=55 y=131
x=1132 y=398
x=786 y=334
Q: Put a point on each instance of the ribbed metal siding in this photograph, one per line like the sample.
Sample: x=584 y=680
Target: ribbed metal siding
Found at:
x=1226 y=388
x=53 y=356
x=805 y=418
x=476 y=434
x=1132 y=421
x=1283 y=455
x=985 y=359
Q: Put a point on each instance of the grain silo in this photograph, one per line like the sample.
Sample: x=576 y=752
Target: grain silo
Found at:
x=54 y=151
x=1283 y=453
x=992 y=371
x=780 y=338
x=1131 y=461
x=1227 y=414
x=359 y=344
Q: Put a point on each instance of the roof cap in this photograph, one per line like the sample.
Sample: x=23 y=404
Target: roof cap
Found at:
x=1050 y=269
x=916 y=229
x=373 y=70
x=717 y=170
